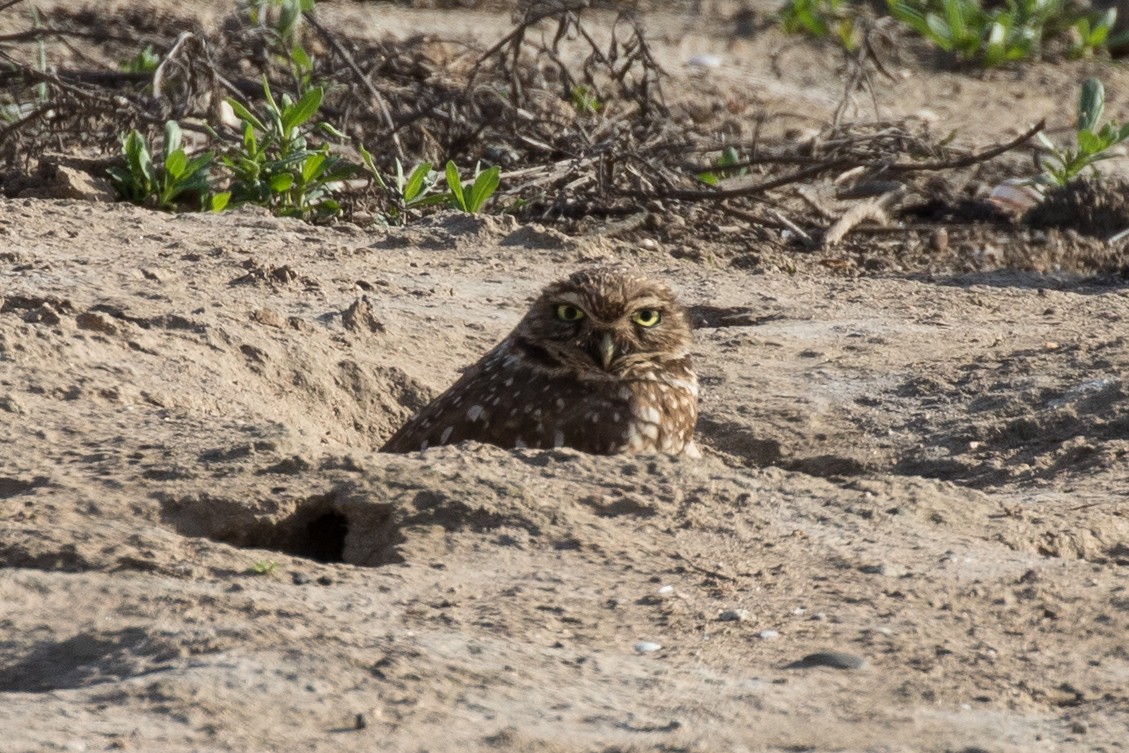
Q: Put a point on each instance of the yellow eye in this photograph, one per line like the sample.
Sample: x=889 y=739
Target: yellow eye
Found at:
x=569 y=313
x=647 y=317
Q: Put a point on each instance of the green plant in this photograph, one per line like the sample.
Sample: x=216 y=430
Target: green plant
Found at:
x=167 y=183
x=281 y=17
x=414 y=187
x=281 y=20
x=585 y=100
x=724 y=167
x=819 y=18
x=999 y=32
x=145 y=61
x=481 y=189
x=275 y=166
x=409 y=190
x=1092 y=32
x=1060 y=166
x=262 y=567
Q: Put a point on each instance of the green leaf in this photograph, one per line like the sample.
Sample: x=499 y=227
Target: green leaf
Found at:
x=312 y=166
x=484 y=187
x=1088 y=143
x=710 y=179
x=175 y=163
x=172 y=136
x=300 y=58
x=939 y=32
x=454 y=183
x=415 y=181
x=302 y=110
x=281 y=182
x=143 y=162
x=1090 y=104
x=199 y=163
x=331 y=130
x=245 y=115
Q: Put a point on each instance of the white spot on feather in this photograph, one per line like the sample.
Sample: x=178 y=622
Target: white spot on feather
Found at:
x=473 y=412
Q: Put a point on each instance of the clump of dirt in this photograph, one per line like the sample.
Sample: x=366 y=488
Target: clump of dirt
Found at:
x=1091 y=206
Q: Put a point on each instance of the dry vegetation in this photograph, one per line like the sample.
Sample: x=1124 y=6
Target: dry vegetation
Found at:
x=570 y=105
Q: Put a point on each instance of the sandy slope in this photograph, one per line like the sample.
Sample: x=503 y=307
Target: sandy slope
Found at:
x=928 y=475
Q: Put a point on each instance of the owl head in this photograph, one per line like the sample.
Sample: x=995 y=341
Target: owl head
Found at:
x=605 y=323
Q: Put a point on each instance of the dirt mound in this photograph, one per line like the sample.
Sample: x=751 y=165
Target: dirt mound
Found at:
x=190 y=489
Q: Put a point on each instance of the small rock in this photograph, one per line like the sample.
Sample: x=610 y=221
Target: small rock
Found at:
x=767 y=635
x=299 y=579
x=11 y=405
x=44 y=314
x=325 y=580
x=269 y=317
x=704 y=60
x=366 y=718
x=664 y=590
x=647 y=647
x=734 y=615
x=884 y=568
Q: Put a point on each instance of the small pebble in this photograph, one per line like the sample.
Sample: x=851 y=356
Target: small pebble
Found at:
x=299 y=579
x=734 y=615
x=704 y=60
x=666 y=590
x=647 y=647
x=767 y=635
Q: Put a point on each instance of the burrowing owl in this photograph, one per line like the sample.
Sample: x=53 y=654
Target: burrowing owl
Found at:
x=600 y=363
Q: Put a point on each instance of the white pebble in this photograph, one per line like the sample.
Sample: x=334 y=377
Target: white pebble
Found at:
x=704 y=60
x=647 y=647
x=767 y=635
x=666 y=589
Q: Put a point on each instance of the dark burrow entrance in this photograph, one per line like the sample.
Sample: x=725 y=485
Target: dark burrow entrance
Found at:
x=333 y=527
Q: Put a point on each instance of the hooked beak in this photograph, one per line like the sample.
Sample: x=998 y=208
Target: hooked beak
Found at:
x=606 y=350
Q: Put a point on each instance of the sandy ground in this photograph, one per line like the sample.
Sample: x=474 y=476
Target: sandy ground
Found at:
x=923 y=477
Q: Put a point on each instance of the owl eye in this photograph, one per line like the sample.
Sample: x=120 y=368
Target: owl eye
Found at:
x=569 y=313
x=647 y=317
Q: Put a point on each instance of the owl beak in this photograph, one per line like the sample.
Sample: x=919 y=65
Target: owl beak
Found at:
x=606 y=350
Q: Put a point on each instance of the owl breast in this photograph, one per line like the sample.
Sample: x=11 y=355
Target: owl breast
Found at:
x=508 y=402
